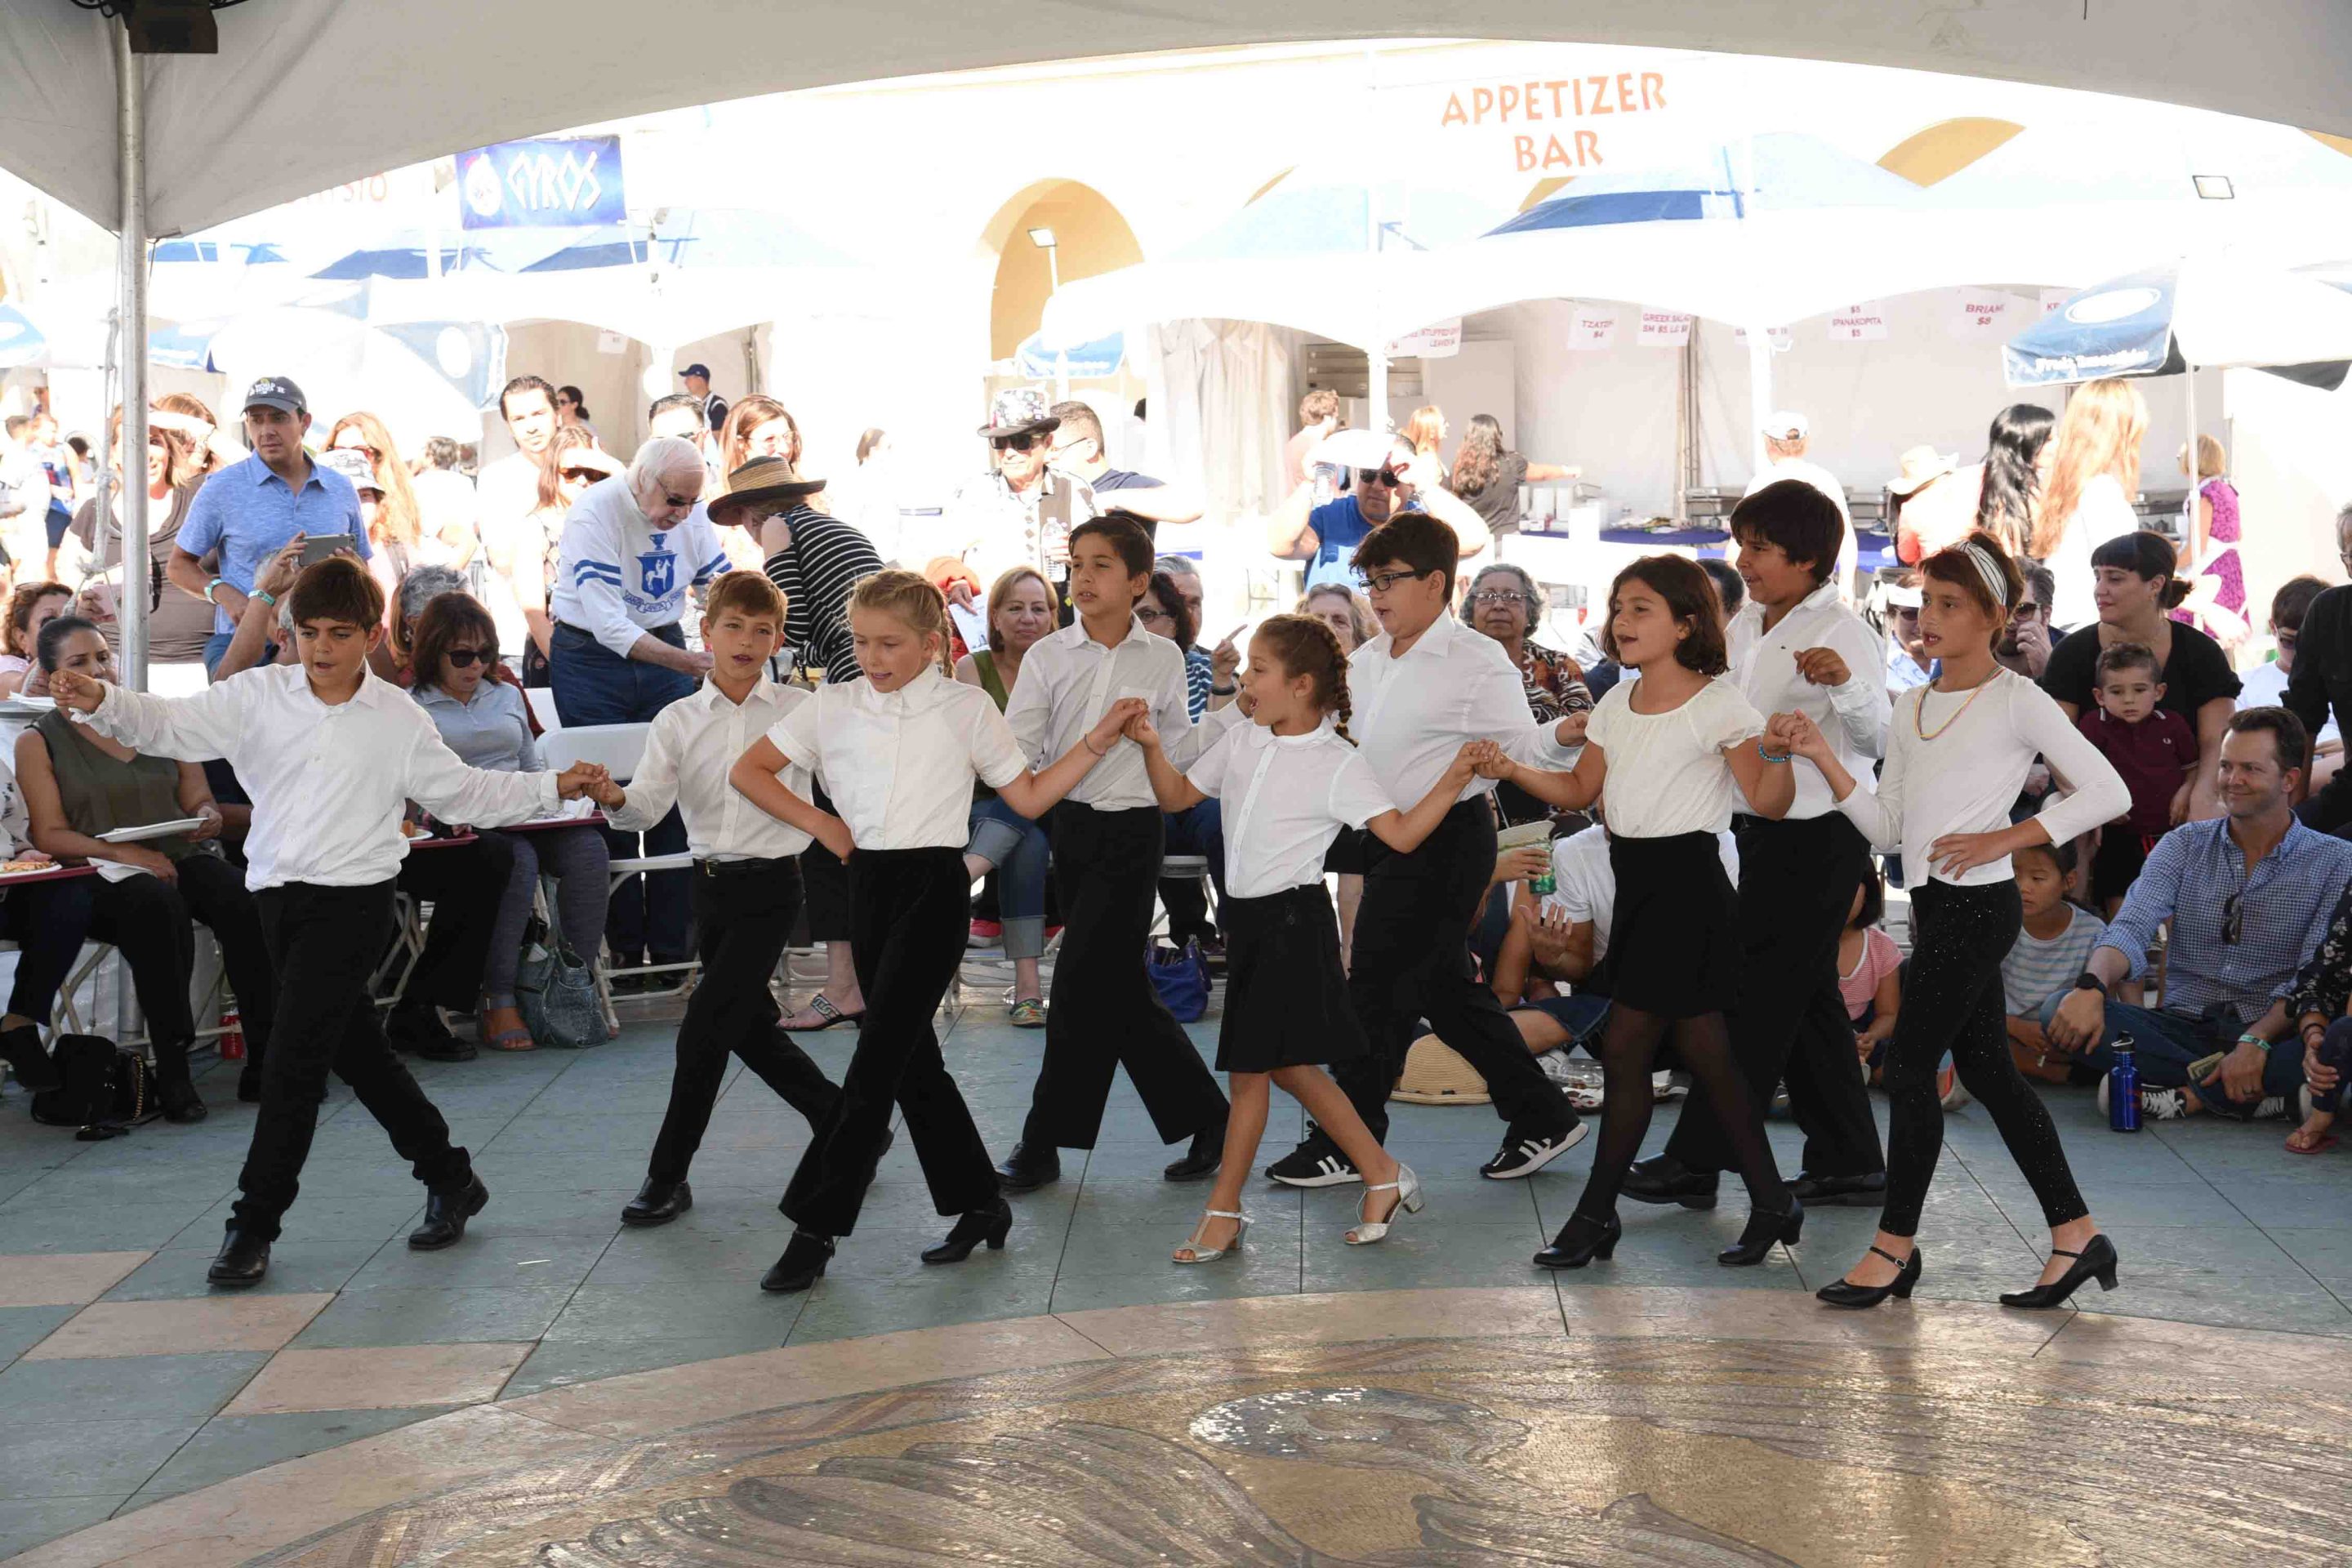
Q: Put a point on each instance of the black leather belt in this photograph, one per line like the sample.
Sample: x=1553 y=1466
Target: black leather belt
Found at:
x=741 y=867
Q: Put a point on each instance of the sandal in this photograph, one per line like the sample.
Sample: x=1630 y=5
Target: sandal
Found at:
x=2319 y=1145
x=825 y=1016
x=1029 y=1013
x=504 y=1039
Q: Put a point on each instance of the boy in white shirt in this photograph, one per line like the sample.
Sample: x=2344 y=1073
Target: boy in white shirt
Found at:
x=1108 y=836
x=330 y=753
x=746 y=883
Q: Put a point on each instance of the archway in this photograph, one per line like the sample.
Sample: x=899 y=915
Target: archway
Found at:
x=1088 y=237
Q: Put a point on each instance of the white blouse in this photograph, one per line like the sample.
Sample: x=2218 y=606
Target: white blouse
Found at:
x=2102 y=513
x=1965 y=776
x=1286 y=798
x=899 y=764
x=1666 y=772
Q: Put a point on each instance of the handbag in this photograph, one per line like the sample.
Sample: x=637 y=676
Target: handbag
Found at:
x=106 y=1090
x=1180 y=976
x=558 y=992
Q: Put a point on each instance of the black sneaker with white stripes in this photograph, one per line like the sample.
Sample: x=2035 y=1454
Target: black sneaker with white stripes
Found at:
x=1315 y=1163
x=1524 y=1155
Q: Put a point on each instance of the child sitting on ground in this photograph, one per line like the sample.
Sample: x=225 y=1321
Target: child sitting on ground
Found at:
x=2052 y=949
x=2153 y=749
x=1870 y=973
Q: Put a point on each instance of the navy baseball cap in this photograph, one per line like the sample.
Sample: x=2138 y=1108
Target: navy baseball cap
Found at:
x=701 y=370
x=276 y=392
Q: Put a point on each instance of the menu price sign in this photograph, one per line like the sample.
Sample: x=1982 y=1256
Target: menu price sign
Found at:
x=1664 y=329
x=1593 y=328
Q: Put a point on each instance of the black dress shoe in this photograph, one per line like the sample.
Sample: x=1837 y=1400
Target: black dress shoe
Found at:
x=1847 y=1192
x=1202 y=1160
x=445 y=1215
x=242 y=1260
x=22 y=1047
x=420 y=1032
x=178 y=1096
x=2096 y=1260
x=1765 y=1229
x=804 y=1261
x=991 y=1224
x=657 y=1203
x=1843 y=1293
x=1026 y=1169
x=1662 y=1179
x=1580 y=1241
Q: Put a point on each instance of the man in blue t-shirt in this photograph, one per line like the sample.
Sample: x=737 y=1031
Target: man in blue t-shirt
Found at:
x=1326 y=536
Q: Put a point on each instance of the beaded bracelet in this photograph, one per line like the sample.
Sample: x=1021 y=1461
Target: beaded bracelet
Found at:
x=1768 y=757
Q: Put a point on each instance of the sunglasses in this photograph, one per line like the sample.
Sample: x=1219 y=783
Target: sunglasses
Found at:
x=465 y=657
x=1387 y=476
x=373 y=455
x=2233 y=920
x=1020 y=442
x=586 y=477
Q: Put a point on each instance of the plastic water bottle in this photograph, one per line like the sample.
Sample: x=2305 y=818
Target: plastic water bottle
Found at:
x=2122 y=1088
x=231 y=1039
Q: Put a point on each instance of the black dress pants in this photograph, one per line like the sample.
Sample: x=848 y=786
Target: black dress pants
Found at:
x=1103 y=1014
x=743 y=914
x=464 y=883
x=324 y=943
x=907 y=926
x=825 y=881
x=149 y=922
x=1410 y=961
x=48 y=921
x=1797 y=882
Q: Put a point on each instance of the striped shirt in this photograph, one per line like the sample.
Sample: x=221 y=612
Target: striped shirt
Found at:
x=824 y=561
x=1199 y=675
x=2036 y=970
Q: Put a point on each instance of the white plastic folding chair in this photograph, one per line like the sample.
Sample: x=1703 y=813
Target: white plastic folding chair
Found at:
x=542 y=707
x=618 y=748
x=1172 y=866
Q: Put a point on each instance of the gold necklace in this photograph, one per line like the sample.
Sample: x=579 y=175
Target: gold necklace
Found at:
x=1919 y=710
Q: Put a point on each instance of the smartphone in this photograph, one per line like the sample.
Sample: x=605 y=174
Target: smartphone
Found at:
x=319 y=546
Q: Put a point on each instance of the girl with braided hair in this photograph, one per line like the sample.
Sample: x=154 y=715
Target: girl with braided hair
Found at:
x=1292 y=779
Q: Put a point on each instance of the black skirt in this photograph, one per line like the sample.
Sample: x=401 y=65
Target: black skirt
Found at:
x=1673 y=939
x=1286 y=996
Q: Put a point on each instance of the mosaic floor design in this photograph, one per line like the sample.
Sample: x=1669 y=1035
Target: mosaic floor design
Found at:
x=1651 y=1448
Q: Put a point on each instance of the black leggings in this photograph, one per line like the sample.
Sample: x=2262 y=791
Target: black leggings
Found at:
x=1952 y=1002
x=1629 y=1050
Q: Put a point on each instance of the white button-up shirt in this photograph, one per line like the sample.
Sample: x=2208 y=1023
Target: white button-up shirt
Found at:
x=1413 y=714
x=899 y=764
x=1068 y=682
x=693 y=744
x=1286 y=798
x=1852 y=717
x=329 y=782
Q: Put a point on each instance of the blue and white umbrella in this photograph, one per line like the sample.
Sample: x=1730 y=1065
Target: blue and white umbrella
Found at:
x=1079 y=362
x=2202 y=312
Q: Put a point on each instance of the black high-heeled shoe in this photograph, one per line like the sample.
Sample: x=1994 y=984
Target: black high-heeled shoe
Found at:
x=1846 y=1293
x=801 y=1265
x=1765 y=1230
x=1581 y=1240
x=2096 y=1261
x=991 y=1224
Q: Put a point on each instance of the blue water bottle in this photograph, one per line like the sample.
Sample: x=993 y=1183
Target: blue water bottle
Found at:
x=2122 y=1088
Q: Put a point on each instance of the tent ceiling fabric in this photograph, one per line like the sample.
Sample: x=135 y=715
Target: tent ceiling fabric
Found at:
x=306 y=94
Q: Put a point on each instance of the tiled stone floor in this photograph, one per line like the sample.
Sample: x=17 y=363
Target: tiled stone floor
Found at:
x=126 y=1380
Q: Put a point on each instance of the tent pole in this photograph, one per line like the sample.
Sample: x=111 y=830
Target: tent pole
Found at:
x=131 y=462
x=2189 y=562
x=1759 y=394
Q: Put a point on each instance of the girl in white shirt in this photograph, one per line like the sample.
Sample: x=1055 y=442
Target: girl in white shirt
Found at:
x=1956 y=754
x=1290 y=781
x=1676 y=749
x=899 y=752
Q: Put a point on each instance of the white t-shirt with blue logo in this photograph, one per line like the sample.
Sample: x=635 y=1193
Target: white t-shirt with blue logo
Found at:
x=617 y=576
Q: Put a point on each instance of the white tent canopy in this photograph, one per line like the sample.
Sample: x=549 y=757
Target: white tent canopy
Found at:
x=306 y=94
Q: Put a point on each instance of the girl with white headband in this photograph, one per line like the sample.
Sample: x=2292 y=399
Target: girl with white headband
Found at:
x=1956 y=754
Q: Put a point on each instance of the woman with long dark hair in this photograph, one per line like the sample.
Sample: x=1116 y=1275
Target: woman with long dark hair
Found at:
x=1487 y=474
x=2011 y=499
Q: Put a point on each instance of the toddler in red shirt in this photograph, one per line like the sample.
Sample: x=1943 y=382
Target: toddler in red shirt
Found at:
x=2155 y=751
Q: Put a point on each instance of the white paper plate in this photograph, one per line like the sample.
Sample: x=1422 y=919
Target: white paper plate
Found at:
x=152 y=830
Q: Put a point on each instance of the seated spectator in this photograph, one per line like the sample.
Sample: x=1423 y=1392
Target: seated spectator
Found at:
x=1183 y=583
x=1870 y=970
x=2153 y=749
x=77 y=786
x=1350 y=615
x=32 y=606
x=2265 y=685
x=486 y=721
x=2249 y=896
x=2322 y=1006
x=48 y=921
x=1020 y=611
x=419 y=588
x=2319 y=686
x=1504 y=603
x=1165 y=613
x=2052 y=948
x=1906 y=653
x=2024 y=647
x=1730 y=587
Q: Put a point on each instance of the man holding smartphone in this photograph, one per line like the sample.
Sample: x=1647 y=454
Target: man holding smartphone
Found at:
x=245 y=514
